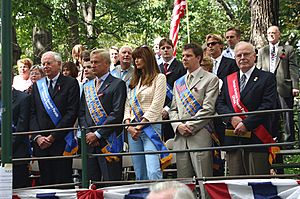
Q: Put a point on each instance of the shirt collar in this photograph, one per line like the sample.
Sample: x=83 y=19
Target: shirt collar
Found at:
x=276 y=45
x=248 y=73
x=54 y=80
x=194 y=72
x=218 y=59
x=103 y=77
x=169 y=62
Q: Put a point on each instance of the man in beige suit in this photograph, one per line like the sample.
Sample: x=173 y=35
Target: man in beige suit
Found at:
x=202 y=89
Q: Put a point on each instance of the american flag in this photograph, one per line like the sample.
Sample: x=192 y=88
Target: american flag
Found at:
x=178 y=13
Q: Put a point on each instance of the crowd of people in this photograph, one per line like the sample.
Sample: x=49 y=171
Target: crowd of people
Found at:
x=141 y=85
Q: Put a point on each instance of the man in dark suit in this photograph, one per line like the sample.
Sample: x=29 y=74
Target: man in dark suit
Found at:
x=54 y=104
x=173 y=69
x=280 y=60
x=102 y=103
x=249 y=89
x=222 y=66
x=21 y=145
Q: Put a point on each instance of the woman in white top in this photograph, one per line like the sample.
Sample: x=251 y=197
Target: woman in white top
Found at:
x=146 y=97
x=22 y=81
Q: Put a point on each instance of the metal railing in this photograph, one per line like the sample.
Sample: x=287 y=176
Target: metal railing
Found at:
x=84 y=155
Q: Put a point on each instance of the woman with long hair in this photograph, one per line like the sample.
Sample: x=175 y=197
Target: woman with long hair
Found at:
x=146 y=97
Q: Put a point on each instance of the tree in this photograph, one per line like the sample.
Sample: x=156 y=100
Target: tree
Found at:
x=264 y=13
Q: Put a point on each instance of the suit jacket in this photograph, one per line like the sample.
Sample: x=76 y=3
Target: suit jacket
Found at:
x=175 y=71
x=20 y=119
x=227 y=66
x=151 y=99
x=258 y=94
x=66 y=99
x=112 y=95
x=205 y=88
x=286 y=71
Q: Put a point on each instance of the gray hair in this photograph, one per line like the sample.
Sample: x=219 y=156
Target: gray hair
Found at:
x=103 y=53
x=180 y=190
x=56 y=55
x=125 y=46
x=244 y=43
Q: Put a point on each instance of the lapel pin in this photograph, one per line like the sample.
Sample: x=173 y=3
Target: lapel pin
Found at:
x=100 y=94
x=255 y=79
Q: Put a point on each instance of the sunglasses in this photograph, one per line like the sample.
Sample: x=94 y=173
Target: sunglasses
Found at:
x=231 y=37
x=212 y=43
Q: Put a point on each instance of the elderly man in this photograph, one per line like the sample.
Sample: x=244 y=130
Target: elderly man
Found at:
x=249 y=89
x=279 y=59
x=54 y=104
x=232 y=36
x=125 y=69
x=195 y=95
x=102 y=103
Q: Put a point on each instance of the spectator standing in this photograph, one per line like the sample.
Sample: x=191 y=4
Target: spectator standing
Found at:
x=61 y=93
x=173 y=69
x=102 y=103
x=249 y=89
x=195 y=95
x=232 y=36
x=145 y=102
x=22 y=82
x=279 y=59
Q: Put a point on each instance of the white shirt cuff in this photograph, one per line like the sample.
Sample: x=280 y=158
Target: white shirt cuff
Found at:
x=97 y=134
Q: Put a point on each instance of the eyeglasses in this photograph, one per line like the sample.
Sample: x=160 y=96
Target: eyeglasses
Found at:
x=212 y=43
x=48 y=63
x=231 y=37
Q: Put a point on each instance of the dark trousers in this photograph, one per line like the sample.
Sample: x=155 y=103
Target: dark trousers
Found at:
x=98 y=168
x=287 y=118
x=21 y=176
x=55 y=171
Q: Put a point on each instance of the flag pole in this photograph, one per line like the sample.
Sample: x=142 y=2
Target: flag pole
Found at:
x=187 y=23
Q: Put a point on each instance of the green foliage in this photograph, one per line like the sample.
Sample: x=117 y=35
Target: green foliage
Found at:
x=137 y=22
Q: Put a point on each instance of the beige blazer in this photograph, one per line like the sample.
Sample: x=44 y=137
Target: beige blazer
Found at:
x=151 y=99
x=205 y=88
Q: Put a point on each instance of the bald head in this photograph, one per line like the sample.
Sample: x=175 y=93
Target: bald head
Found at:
x=273 y=33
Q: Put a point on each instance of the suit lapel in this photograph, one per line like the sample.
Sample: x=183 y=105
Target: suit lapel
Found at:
x=105 y=84
x=59 y=82
x=197 y=78
x=279 y=52
x=222 y=66
x=266 y=67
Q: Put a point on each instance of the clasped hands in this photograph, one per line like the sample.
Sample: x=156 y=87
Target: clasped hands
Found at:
x=92 y=139
x=239 y=127
x=45 y=141
x=185 y=129
x=135 y=131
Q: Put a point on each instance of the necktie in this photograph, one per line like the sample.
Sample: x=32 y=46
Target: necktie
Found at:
x=189 y=79
x=243 y=82
x=215 y=69
x=166 y=67
x=123 y=74
x=50 y=87
x=98 y=84
x=273 y=55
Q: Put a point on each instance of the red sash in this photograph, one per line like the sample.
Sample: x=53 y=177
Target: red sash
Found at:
x=260 y=132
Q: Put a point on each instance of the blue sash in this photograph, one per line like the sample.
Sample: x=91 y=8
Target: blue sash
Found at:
x=55 y=116
x=165 y=158
x=189 y=102
x=114 y=143
x=192 y=106
x=169 y=92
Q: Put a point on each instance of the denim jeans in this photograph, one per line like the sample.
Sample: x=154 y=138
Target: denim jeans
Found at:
x=146 y=167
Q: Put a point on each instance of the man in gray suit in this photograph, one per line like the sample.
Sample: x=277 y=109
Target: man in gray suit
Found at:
x=195 y=95
x=125 y=69
x=280 y=60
